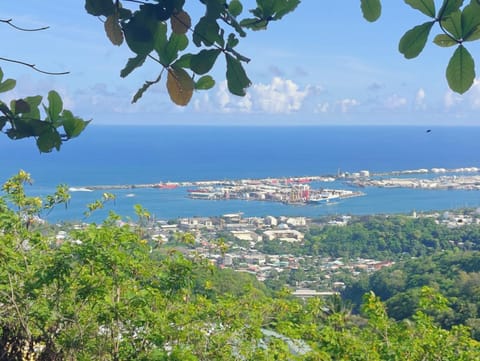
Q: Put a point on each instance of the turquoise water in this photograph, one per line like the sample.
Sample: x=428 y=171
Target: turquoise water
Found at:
x=136 y=155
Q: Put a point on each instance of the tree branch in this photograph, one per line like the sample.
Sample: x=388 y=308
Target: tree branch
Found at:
x=33 y=66
x=9 y=22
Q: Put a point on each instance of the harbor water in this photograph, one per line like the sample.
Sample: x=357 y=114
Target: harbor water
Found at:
x=126 y=155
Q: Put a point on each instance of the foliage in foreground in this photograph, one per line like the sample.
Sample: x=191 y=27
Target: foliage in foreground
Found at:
x=457 y=23
x=23 y=118
x=104 y=293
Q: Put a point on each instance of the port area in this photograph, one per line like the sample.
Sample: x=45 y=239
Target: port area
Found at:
x=298 y=190
x=292 y=190
x=292 y=193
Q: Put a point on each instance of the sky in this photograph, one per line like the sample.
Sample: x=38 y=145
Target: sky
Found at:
x=321 y=65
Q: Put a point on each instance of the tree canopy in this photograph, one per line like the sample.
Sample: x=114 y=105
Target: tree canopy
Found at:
x=186 y=50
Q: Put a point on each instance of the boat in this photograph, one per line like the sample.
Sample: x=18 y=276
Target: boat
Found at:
x=322 y=198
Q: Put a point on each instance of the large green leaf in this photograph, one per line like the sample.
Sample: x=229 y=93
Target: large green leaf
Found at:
x=176 y=43
x=48 y=140
x=471 y=21
x=461 y=70
x=237 y=80
x=473 y=36
x=183 y=61
x=139 y=32
x=204 y=61
x=453 y=24
x=7 y=85
x=160 y=39
x=448 y=7
x=425 y=6
x=100 y=7
x=371 y=9
x=55 y=105
x=207 y=32
x=413 y=41
x=72 y=125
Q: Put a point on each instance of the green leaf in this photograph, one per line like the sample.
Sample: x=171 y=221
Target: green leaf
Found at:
x=204 y=83
x=453 y=24
x=444 y=40
x=184 y=61
x=72 y=125
x=371 y=9
x=55 y=105
x=139 y=32
x=1 y=75
x=470 y=21
x=237 y=80
x=461 y=70
x=176 y=43
x=413 y=41
x=141 y=91
x=203 y=62
x=100 y=7
x=21 y=106
x=473 y=36
x=254 y=24
x=7 y=85
x=235 y=8
x=48 y=140
x=232 y=41
x=207 y=32
x=283 y=7
x=448 y=7
x=132 y=64
x=34 y=102
x=425 y=6
x=160 y=39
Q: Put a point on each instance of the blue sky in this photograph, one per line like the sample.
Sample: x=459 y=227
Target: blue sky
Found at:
x=322 y=64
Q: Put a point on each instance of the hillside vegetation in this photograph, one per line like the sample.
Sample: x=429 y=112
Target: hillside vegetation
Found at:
x=105 y=293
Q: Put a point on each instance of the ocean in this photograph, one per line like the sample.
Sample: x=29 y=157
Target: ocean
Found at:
x=113 y=155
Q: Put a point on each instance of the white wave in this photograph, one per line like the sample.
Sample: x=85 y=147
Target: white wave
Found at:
x=79 y=189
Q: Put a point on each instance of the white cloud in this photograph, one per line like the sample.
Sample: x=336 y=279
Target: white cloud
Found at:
x=346 y=104
x=450 y=100
x=395 y=101
x=281 y=96
x=420 y=99
x=322 y=108
x=474 y=94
